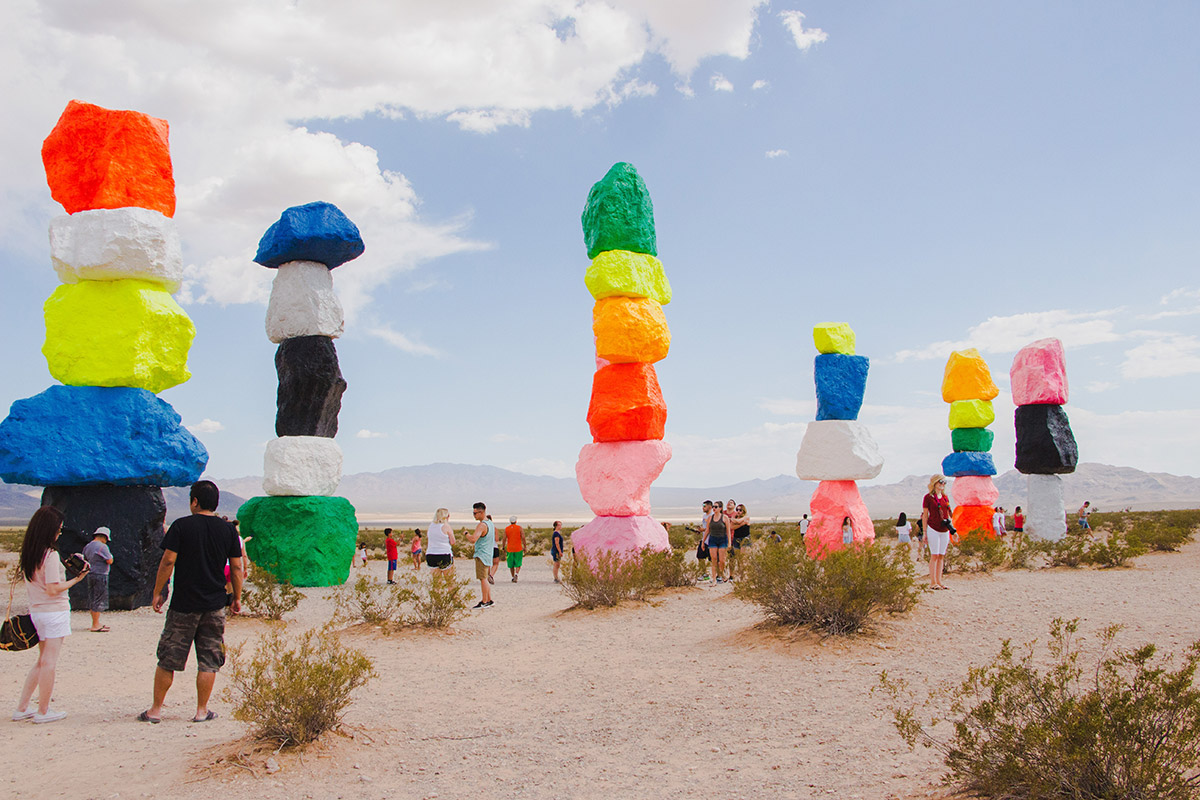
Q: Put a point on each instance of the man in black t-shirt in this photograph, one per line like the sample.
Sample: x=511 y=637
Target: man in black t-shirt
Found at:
x=195 y=549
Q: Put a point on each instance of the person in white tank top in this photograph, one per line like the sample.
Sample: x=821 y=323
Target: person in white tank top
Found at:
x=438 y=554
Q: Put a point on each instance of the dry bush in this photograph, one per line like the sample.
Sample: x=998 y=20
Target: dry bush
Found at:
x=605 y=579
x=372 y=601
x=1069 y=551
x=265 y=596
x=1115 y=550
x=976 y=552
x=438 y=602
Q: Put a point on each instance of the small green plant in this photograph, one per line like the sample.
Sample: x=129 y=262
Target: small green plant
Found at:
x=1161 y=535
x=607 y=578
x=661 y=569
x=976 y=552
x=1115 y=551
x=371 y=601
x=835 y=595
x=1021 y=552
x=1126 y=727
x=438 y=602
x=291 y=692
x=265 y=596
x=1069 y=551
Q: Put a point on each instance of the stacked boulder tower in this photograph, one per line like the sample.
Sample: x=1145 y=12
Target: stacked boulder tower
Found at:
x=103 y=443
x=968 y=387
x=837 y=449
x=300 y=531
x=627 y=414
x=1046 y=445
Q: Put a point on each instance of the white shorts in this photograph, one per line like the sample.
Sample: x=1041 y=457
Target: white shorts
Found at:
x=938 y=541
x=51 y=624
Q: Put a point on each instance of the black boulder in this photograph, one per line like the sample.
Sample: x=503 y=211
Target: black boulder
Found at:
x=310 y=387
x=1045 y=444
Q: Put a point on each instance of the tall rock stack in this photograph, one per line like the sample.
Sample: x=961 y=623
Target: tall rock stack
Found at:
x=837 y=449
x=968 y=387
x=300 y=531
x=1046 y=446
x=103 y=443
x=627 y=415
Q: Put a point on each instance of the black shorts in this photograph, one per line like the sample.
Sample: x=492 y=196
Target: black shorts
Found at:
x=495 y=553
x=439 y=560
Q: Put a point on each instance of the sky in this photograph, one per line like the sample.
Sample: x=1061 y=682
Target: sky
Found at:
x=939 y=175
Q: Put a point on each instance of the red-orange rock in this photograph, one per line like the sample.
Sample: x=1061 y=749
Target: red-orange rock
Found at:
x=974 y=521
x=627 y=404
x=99 y=158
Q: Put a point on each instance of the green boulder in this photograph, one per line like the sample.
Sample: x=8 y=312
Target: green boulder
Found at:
x=619 y=214
x=309 y=541
x=974 y=440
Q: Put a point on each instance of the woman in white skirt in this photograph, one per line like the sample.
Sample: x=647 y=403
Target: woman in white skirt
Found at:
x=49 y=607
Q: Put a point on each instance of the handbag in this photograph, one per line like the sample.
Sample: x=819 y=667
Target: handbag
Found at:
x=702 y=551
x=17 y=633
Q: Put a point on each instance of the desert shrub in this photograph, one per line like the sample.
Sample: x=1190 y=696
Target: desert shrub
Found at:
x=371 y=601
x=976 y=553
x=836 y=595
x=1126 y=727
x=682 y=538
x=292 y=692
x=438 y=602
x=1069 y=551
x=607 y=578
x=1161 y=535
x=660 y=569
x=1115 y=550
x=1021 y=552
x=265 y=596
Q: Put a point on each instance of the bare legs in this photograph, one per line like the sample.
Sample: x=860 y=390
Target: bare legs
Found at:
x=718 y=561
x=41 y=676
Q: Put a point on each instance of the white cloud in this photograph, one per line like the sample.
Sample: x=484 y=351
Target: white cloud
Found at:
x=1097 y=387
x=1191 y=304
x=759 y=84
x=776 y=153
x=501 y=438
x=206 y=426
x=804 y=37
x=402 y=342
x=366 y=434
x=720 y=83
x=1009 y=334
x=789 y=407
x=1162 y=355
x=543 y=466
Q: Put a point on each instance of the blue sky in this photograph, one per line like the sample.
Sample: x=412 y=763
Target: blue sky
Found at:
x=939 y=175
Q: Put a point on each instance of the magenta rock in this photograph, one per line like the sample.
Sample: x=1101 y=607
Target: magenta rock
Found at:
x=621 y=535
x=830 y=504
x=1039 y=374
x=615 y=477
x=974 y=490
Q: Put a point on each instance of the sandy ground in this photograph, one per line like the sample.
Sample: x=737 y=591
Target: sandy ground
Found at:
x=687 y=696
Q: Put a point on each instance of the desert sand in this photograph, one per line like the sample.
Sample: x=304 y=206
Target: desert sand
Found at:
x=685 y=696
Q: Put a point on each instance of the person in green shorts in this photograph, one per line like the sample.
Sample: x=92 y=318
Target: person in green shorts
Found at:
x=484 y=539
x=514 y=547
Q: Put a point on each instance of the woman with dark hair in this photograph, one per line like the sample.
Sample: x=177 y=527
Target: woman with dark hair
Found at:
x=46 y=582
x=904 y=532
x=716 y=536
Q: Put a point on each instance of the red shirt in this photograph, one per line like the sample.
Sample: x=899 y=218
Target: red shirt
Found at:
x=1018 y=521
x=935 y=505
x=393 y=552
x=512 y=539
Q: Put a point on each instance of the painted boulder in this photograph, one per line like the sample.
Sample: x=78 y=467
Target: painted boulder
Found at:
x=977 y=440
x=1046 y=515
x=615 y=477
x=629 y=329
x=974 y=521
x=967 y=377
x=624 y=535
x=834 y=337
x=1039 y=374
x=308 y=541
x=838 y=450
x=619 y=214
x=627 y=404
x=975 y=490
x=114 y=244
x=296 y=466
x=623 y=273
x=968 y=463
x=830 y=504
x=1045 y=442
x=841 y=382
x=303 y=303
x=314 y=232
x=311 y=385
x=971 y=414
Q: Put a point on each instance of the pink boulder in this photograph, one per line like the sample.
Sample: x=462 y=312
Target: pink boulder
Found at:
x=1039 y=374
x=621 y=535
x=832 y=502
x=615 y=477
x=975 y=490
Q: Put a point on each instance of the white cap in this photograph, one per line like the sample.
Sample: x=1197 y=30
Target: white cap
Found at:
x=512 y=519
x=102 y=531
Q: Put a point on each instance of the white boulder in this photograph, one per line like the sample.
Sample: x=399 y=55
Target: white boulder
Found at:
x=303 y=303
x=838 y=450
x=1046 y=514
x=302 y=466
x=111 y=244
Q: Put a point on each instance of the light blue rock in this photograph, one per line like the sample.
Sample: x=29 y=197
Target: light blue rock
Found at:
x=956 y=465
x=82 y=435
x=841 y=382
x=315 y=232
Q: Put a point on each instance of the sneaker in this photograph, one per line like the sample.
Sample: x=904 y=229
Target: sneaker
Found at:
x=489 y=604
x=480 y=604
x=49 y=716
x=20 y=715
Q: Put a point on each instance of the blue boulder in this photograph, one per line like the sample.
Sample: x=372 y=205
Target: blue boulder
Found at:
x=83 y=435
x=841 y=382
x=956 y=465
x=315 y=232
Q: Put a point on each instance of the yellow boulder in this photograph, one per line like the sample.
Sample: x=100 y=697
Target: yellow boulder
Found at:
x=622 y=273
x=967 y=377
x=971 y=414
x=834 y=337
x=117 y=333
x=630 y=329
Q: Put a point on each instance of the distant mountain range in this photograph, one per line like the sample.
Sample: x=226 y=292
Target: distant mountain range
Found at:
x=411 y=494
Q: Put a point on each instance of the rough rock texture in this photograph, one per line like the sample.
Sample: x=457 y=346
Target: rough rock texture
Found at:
x=627 y=404
x=303 y=303
x=974 y=521
x=298 y=466
x=971 y=414
x=1045 y=443
x=629 y=329
x=314 y=232
x=99 y=158
x=1046 y=512
x=834 y=337
x=112 y=244
x=1039 y=374
x=968 y=463
x=306 y=540
x=623 y=273
x=832 y=502
x=620 y=534
x=837 y=450
x=79 y=435
x=615 y=477
x=135 y=515
x=310 y=387
x=967 y=377
x=117 y=333
x=973 y=439
x=841 y=382
x=619 y=214
x=975 y=490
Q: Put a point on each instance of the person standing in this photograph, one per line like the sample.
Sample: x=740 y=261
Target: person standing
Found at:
x=195 y=550
x=1018 y=525
x=484 y=539
x=716 y=536
x=1085 y=511
x=99 y=559
x=556 y=547
x=935 y=519
x=741 y=536
x=495 y=554
x=49 y=608
x=803 y=525
x=703 y=555
x=440 y=553
x=416 y=549
x=998 y=522
x=393 y=553
x=904 y=533
x=514 y=548
x=847 y=532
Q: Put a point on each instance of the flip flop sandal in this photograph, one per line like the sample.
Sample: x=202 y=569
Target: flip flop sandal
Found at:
x=209 y=717
x=144 y=717
x=101 y=629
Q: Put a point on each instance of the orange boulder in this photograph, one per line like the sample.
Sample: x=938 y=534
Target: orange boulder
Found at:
x=967 y=377
x=974 y=521
x=99 y=158
x=630 y=329
x=627 y=404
